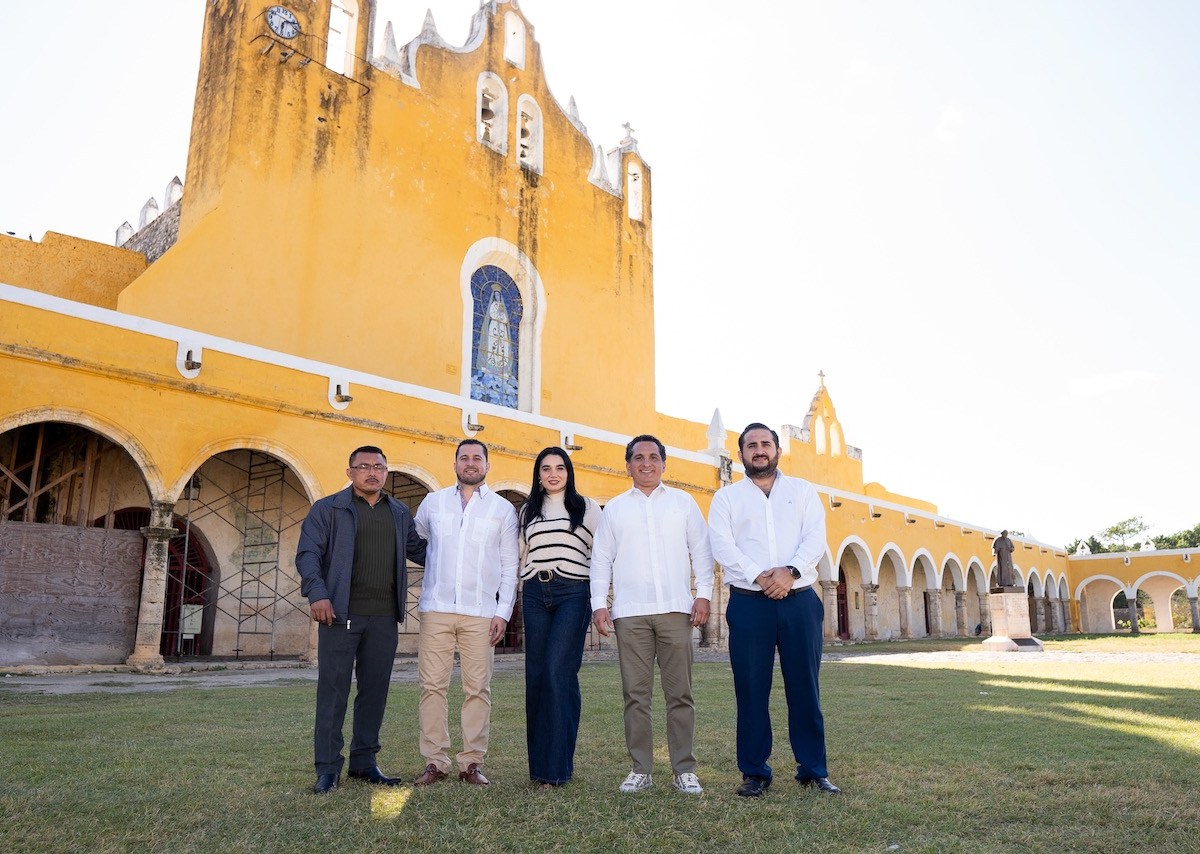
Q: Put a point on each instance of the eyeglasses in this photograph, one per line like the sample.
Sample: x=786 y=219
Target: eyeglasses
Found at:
x=363 y=468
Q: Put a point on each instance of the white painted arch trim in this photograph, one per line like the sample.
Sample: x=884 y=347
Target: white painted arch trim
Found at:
x=1188 y=586
x=1129 y=591
x=862 y=553
x=933 y=577
x=957 y=571
x=903 y=563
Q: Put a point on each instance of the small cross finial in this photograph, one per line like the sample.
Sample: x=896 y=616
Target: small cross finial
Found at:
x=821 y=374
x=628 y=134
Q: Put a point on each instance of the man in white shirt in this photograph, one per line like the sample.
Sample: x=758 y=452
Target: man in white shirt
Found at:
x=768 y=532
x=466 y=602
x=650 y=543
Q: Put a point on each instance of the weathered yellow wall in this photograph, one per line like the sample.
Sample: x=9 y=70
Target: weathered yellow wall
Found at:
x=69 y=267
x=329 y=217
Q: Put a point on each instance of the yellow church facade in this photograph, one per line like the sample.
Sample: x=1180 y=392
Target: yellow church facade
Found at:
x=401 y=250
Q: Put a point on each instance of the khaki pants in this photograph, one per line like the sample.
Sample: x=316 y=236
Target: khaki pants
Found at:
x=440 y=635
x=640 y=640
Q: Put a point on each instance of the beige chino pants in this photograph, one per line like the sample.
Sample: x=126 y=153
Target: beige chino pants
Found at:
x=440 y=635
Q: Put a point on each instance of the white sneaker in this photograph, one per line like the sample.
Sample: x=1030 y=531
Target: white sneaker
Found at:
x=688 y=784
x=636 y=782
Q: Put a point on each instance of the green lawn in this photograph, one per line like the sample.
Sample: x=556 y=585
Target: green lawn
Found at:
x=1145 y=642
x=1015 y=756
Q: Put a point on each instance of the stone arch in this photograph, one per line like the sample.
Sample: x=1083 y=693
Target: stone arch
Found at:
x=1095 y=594
x=890 y=576
x=529 y=134
x=72 y=575
x=1159 y=585
x=111 y=430
x=855 y=595
x=825 y=566
x=301 y=468
x=860 y=553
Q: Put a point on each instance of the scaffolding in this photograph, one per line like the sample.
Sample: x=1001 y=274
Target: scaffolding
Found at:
x=260 y=593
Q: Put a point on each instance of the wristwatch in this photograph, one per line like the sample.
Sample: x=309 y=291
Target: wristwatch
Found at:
x=795 y=572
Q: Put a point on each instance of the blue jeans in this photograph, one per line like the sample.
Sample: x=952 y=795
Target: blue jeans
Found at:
x=757 y=627
x=556 y=614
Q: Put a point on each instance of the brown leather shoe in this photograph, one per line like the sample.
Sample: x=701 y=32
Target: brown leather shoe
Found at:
x=474 y=776
x=430 y=776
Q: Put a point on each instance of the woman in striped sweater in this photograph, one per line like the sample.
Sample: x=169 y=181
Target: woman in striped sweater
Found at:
x=556 y=525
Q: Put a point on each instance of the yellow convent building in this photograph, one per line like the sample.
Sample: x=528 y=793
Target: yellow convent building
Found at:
x=402 y=250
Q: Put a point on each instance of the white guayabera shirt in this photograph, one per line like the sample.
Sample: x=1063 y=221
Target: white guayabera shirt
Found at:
x=650 y=547
x=471 y=565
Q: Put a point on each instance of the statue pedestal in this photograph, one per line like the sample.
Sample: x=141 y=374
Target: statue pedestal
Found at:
x=1010 y=622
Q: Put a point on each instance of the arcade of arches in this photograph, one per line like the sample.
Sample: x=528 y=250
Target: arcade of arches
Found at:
x=79 y=533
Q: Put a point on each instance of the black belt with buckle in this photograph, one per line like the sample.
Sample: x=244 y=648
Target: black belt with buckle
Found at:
x=745 y=592
x=547 y=576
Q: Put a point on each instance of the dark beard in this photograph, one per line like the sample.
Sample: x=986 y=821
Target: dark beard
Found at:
x=765 y=470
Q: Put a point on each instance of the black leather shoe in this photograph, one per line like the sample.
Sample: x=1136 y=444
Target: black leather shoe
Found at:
x=326 y=783
x=375 y=776
x=753 y=787
x=821 y=784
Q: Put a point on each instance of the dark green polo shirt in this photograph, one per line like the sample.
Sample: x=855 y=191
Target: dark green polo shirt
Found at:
x=373 y=581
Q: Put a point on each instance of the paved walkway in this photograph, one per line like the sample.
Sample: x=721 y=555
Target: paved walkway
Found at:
x=122 y=680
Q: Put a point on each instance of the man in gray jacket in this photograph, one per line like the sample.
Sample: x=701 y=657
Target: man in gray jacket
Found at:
x=352 y=564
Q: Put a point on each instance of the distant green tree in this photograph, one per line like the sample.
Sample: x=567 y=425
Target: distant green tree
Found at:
x=1189 y=539
x=1124 y=535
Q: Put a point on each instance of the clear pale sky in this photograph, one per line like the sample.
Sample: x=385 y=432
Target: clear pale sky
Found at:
x=981 y=220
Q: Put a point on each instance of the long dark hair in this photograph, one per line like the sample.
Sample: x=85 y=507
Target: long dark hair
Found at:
x=532 y=509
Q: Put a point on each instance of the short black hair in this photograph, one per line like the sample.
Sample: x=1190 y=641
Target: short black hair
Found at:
x=757 y=425
x=471 y=442
x=645 y=437
x=366 y=449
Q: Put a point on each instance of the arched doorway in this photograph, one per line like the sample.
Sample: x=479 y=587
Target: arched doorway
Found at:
x=188 y=611
x=514 y=635
x=410 y=492
x=70 y=591
x=843 y=607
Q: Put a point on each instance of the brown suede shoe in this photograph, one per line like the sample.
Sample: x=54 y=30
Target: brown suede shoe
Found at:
x=474 y=776
x=430 y=776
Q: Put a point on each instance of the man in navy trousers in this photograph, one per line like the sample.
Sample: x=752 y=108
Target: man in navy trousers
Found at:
x=768 y=532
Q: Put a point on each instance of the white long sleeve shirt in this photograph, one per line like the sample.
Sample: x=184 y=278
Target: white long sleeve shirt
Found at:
x=752 y=533
x=472 y=554
x=650 y=548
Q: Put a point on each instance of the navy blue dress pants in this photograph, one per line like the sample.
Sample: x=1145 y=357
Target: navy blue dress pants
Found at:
x=758 y=626
x=368 y=651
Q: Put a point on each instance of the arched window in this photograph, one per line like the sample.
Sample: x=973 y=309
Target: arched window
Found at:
x=514 y=39
x=501 y=290
x=820 y=437
x=343 y=22
x=495 y=350
x=529 y=134
x=491 y=112
x=633 y=191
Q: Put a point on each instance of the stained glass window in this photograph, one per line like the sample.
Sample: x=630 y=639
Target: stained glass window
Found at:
x=495 y=356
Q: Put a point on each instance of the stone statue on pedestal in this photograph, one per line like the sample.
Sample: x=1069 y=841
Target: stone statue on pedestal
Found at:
x=1003 y=547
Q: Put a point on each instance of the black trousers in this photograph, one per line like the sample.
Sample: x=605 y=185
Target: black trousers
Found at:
x=367 y=650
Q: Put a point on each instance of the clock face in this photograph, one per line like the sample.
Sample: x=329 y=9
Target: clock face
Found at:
x=282 y=22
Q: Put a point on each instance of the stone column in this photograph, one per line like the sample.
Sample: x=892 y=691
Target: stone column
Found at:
x=1039 y=616
x=1195 y=603
x=933 y=605
x=904 y=594
x=871 y=611
x=960 y=613
x=829 y=600
x=710 y=632
x=985 y=614
x=148 y=636
x=1051 y=619
x=1134 y=628
x=1064 y=613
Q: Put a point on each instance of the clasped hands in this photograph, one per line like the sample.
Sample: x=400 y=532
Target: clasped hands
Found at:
x=776 y=582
